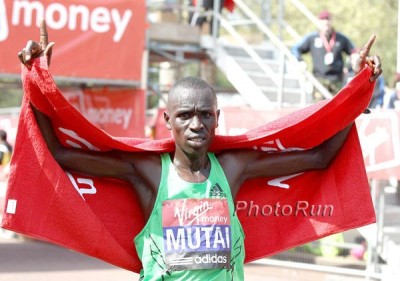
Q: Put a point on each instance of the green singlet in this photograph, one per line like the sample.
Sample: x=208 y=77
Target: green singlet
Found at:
x=193 y=232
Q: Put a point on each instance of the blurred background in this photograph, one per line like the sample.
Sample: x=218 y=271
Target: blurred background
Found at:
x=126 y=60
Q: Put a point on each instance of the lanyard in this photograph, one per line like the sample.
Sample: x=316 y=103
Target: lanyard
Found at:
x=328 y=45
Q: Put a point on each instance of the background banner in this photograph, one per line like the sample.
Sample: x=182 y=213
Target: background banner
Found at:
x=87 y=35
x=120 y=112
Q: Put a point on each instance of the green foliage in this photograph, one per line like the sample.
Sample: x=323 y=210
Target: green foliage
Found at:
x=10 y=94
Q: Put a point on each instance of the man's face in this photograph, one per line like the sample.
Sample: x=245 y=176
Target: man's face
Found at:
x=192 y=116
x=325 y=25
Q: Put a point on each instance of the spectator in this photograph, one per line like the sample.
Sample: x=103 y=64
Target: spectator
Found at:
x=5 y=149
x=379 y=93
x=196 y=18
x=5 y=157
x=326 y=47
x=392 y=99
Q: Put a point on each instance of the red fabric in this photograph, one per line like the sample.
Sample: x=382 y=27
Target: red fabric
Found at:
x=104 y=224
x=229 y=5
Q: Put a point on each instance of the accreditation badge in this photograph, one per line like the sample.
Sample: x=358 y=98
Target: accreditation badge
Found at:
x=328 y=59
x=318 y=43
x=197 y=233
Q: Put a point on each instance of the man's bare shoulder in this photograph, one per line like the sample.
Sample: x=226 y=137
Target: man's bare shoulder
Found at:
x=236 y=156
x=141 y=159
x=234 y=163
x=147 y=168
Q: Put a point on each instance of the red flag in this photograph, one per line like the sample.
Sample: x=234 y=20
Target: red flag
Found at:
x=100 y=217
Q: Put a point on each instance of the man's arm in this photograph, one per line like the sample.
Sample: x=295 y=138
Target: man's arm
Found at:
x=301 y=47
x=319 y=157
x=104 y=164
x=242 y=165
x=141 y=170
x=287 y=163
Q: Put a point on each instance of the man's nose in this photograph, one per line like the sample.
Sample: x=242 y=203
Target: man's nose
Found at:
x=196 y=123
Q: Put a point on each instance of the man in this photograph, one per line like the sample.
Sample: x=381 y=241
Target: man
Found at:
x=392 y=98
x=5 y=149
x=202 y=184
x=326 y=47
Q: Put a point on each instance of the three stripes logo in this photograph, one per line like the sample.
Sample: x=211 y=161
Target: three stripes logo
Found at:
x=216 y=191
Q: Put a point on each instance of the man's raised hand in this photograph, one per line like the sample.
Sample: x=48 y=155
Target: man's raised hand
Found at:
x=374 y=61
x=34 y=50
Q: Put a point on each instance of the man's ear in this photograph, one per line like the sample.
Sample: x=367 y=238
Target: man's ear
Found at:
x=218 y=112
x=167 y=123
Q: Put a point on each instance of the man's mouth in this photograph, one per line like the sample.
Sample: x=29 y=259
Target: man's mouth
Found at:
x=196 y=140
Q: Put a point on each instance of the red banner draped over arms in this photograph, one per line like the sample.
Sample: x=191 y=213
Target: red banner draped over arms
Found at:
x=100 y=217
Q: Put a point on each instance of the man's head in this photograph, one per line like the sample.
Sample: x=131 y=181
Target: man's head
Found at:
x=3 y=135
x=192 y=114
x=325 y=21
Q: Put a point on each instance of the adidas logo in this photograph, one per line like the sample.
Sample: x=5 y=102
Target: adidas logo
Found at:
x=216 y=191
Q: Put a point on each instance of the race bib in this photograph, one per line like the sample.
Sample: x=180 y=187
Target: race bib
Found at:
x=197 y=233
x=328 y=60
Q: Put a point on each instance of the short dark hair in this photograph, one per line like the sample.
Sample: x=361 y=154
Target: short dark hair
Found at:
x=3 y=135
x=191 y=83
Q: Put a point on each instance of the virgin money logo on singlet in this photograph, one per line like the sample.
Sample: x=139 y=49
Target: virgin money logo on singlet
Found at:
x=197 y=233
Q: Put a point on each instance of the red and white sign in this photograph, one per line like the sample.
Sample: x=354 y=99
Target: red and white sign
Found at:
x=380 y=142
x=119 y=112
x=94 y=39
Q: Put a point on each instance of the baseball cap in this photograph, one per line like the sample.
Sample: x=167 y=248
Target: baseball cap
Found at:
x=324 y=15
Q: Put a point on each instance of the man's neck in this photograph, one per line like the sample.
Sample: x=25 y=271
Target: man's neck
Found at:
x=192 y=162
x=192 y=168
x=329 y=33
